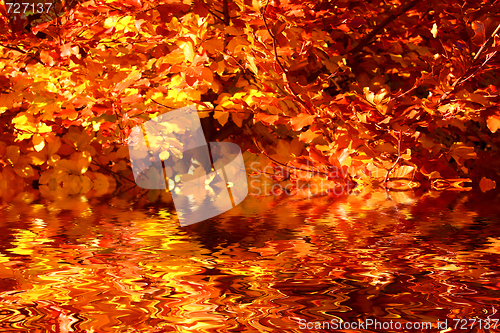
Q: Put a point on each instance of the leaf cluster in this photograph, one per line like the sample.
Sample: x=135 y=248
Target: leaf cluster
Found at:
x=399 y=93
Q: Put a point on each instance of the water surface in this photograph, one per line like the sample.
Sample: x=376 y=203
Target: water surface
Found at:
x=125 y=265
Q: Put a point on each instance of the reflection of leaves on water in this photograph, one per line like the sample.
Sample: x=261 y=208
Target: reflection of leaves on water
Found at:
x=493 y=246
x=111 y=263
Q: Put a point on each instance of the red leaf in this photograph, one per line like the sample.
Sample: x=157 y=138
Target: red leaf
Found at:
x=479 y=33
x=200 y=8
x=100 y=108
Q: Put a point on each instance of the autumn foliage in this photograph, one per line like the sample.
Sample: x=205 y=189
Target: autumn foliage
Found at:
x=397 y=93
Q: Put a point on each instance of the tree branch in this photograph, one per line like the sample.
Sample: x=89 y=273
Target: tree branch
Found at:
x=307 y=106
x=397 y=160
x=366 y=40
x=225 y=11
x=464 y=78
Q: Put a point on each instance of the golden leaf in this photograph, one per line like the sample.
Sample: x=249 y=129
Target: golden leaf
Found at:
x=38 y=142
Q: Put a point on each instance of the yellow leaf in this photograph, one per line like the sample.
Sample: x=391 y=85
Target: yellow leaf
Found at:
x=164 y=155
x=256 y=4
x=434 y=30
x=402 y=171
x=487 y=184
x=38 y=142
x=188 y=51
x=252 y=65
x=37 y=158
x=83 y=161
x=43 y=128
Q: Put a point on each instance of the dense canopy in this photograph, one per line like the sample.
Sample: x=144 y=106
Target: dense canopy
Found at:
x=397 y=93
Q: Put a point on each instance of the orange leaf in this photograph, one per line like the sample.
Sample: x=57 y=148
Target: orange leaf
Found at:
x=301 y=120
x=24 y=170
x=46 y=57
x=265 y=118
x=308 y=136
x=222 y=117
x=132 y=99
x=479 y=33
x=131 y=78
x=135 y=3
x=487 y=184
x=493 y=123
x=318 y=156
x=101 y=183
x=12 y=154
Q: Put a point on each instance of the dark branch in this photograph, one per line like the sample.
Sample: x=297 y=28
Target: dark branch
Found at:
x=367 y=39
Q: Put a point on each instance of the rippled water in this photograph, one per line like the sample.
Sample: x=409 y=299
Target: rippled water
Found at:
x=272 y=264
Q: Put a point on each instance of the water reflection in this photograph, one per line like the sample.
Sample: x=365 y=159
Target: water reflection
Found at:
x=124 y=264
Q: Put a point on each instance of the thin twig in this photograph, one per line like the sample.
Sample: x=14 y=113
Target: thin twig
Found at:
x=225 y=12
x=397 y=160
x=458 y=82
x=213 y=11
x=307 y=106
x=111 y=171
x=165 y=106
x=287 y=166
x=16 y=48
x=485 y=44
x=366 y=40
